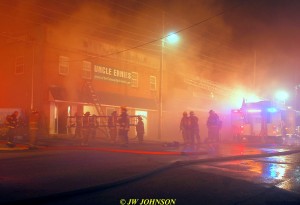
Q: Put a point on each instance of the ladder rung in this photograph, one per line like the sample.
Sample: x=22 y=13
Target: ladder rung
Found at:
x=95 y=98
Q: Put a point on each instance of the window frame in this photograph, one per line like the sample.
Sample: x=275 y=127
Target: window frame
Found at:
x=153 y=83
x=134 y=80
x=87 y=70
x=64 y=63
x=19 y=65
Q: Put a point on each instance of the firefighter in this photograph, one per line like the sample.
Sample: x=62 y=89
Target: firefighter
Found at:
x=194 y=128
x=184 y=127
x=213 y=126
x=112 y=126
x=93 y=126
x=23 y=125
x=78 y=126
x=123 y=126
x=33 y=128
x=264 y=127
x=85 y=129
x=12 y=124
x=140 y=130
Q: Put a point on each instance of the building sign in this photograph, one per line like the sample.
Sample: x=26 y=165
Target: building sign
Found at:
x=112 y=74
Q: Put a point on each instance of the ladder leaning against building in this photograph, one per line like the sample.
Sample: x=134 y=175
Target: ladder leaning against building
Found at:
x=88 y=85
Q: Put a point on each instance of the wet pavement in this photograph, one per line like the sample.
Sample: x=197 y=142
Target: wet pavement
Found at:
x=275 y=171
x=266 y=165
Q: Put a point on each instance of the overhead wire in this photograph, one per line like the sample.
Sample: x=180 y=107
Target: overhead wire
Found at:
x=52 y=18
x=163 y=37
x=223 y=62
x=42 y=14
x=68 y=15
x=153 y=41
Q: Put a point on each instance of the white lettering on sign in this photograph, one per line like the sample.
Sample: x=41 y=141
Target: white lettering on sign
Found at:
x=122 y=74
x=105 y=73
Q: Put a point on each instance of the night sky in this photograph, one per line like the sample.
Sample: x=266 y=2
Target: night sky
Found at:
x=264 y=35
x=271 y=29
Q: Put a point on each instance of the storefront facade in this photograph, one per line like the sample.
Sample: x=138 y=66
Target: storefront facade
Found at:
x=51 y=72
x=126 y=79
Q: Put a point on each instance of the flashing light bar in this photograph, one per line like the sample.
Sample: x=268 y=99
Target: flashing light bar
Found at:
x=272 y=109
x=253 y=110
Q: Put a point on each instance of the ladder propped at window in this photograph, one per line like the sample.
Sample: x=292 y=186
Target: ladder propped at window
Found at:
x=100 y=110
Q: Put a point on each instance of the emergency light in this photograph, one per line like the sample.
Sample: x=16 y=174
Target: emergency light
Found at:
x=272 y=109
x=253 y=110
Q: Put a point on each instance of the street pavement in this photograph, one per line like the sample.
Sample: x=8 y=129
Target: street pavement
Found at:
x=228 y=149
x=170 y=155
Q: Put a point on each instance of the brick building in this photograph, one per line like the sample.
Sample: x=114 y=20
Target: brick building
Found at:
x=51 y=76
x=55 y=61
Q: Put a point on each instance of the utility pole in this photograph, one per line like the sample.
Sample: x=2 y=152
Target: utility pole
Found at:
x=160 y=110
x=32 y=76
x=254 y=71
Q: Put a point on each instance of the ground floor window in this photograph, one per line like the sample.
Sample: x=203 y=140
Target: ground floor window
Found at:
x=144 y=115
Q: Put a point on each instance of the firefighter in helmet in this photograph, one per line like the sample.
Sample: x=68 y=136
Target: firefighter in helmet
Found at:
x=85 y=129
x=124 y=124
x=184 y=127
x=112 y=126
x=194 y=128
x=12 y=123
x=140 y=129
x=78 y=125
x=33 y=128
x=213 y=124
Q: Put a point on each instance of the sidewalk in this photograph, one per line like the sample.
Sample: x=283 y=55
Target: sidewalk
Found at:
x=70 y=142
x=18 y=147
x=224 y=149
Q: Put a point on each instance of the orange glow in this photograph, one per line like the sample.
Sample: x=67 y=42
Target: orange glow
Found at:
x=256 y=167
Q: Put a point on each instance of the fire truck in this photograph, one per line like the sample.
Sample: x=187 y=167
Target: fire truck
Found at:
x=261 y=121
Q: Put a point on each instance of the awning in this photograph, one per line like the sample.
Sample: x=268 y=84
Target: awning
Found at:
x=124 y=100
x=60 y=94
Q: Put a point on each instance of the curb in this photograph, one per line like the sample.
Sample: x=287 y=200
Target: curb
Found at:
x=17 y=147
x=8 y=149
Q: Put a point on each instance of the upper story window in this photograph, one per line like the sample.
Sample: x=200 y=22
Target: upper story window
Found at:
x=86 y=70
x=152 y=82
x=63 y=65
x=19 y=65
x=134 y=79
